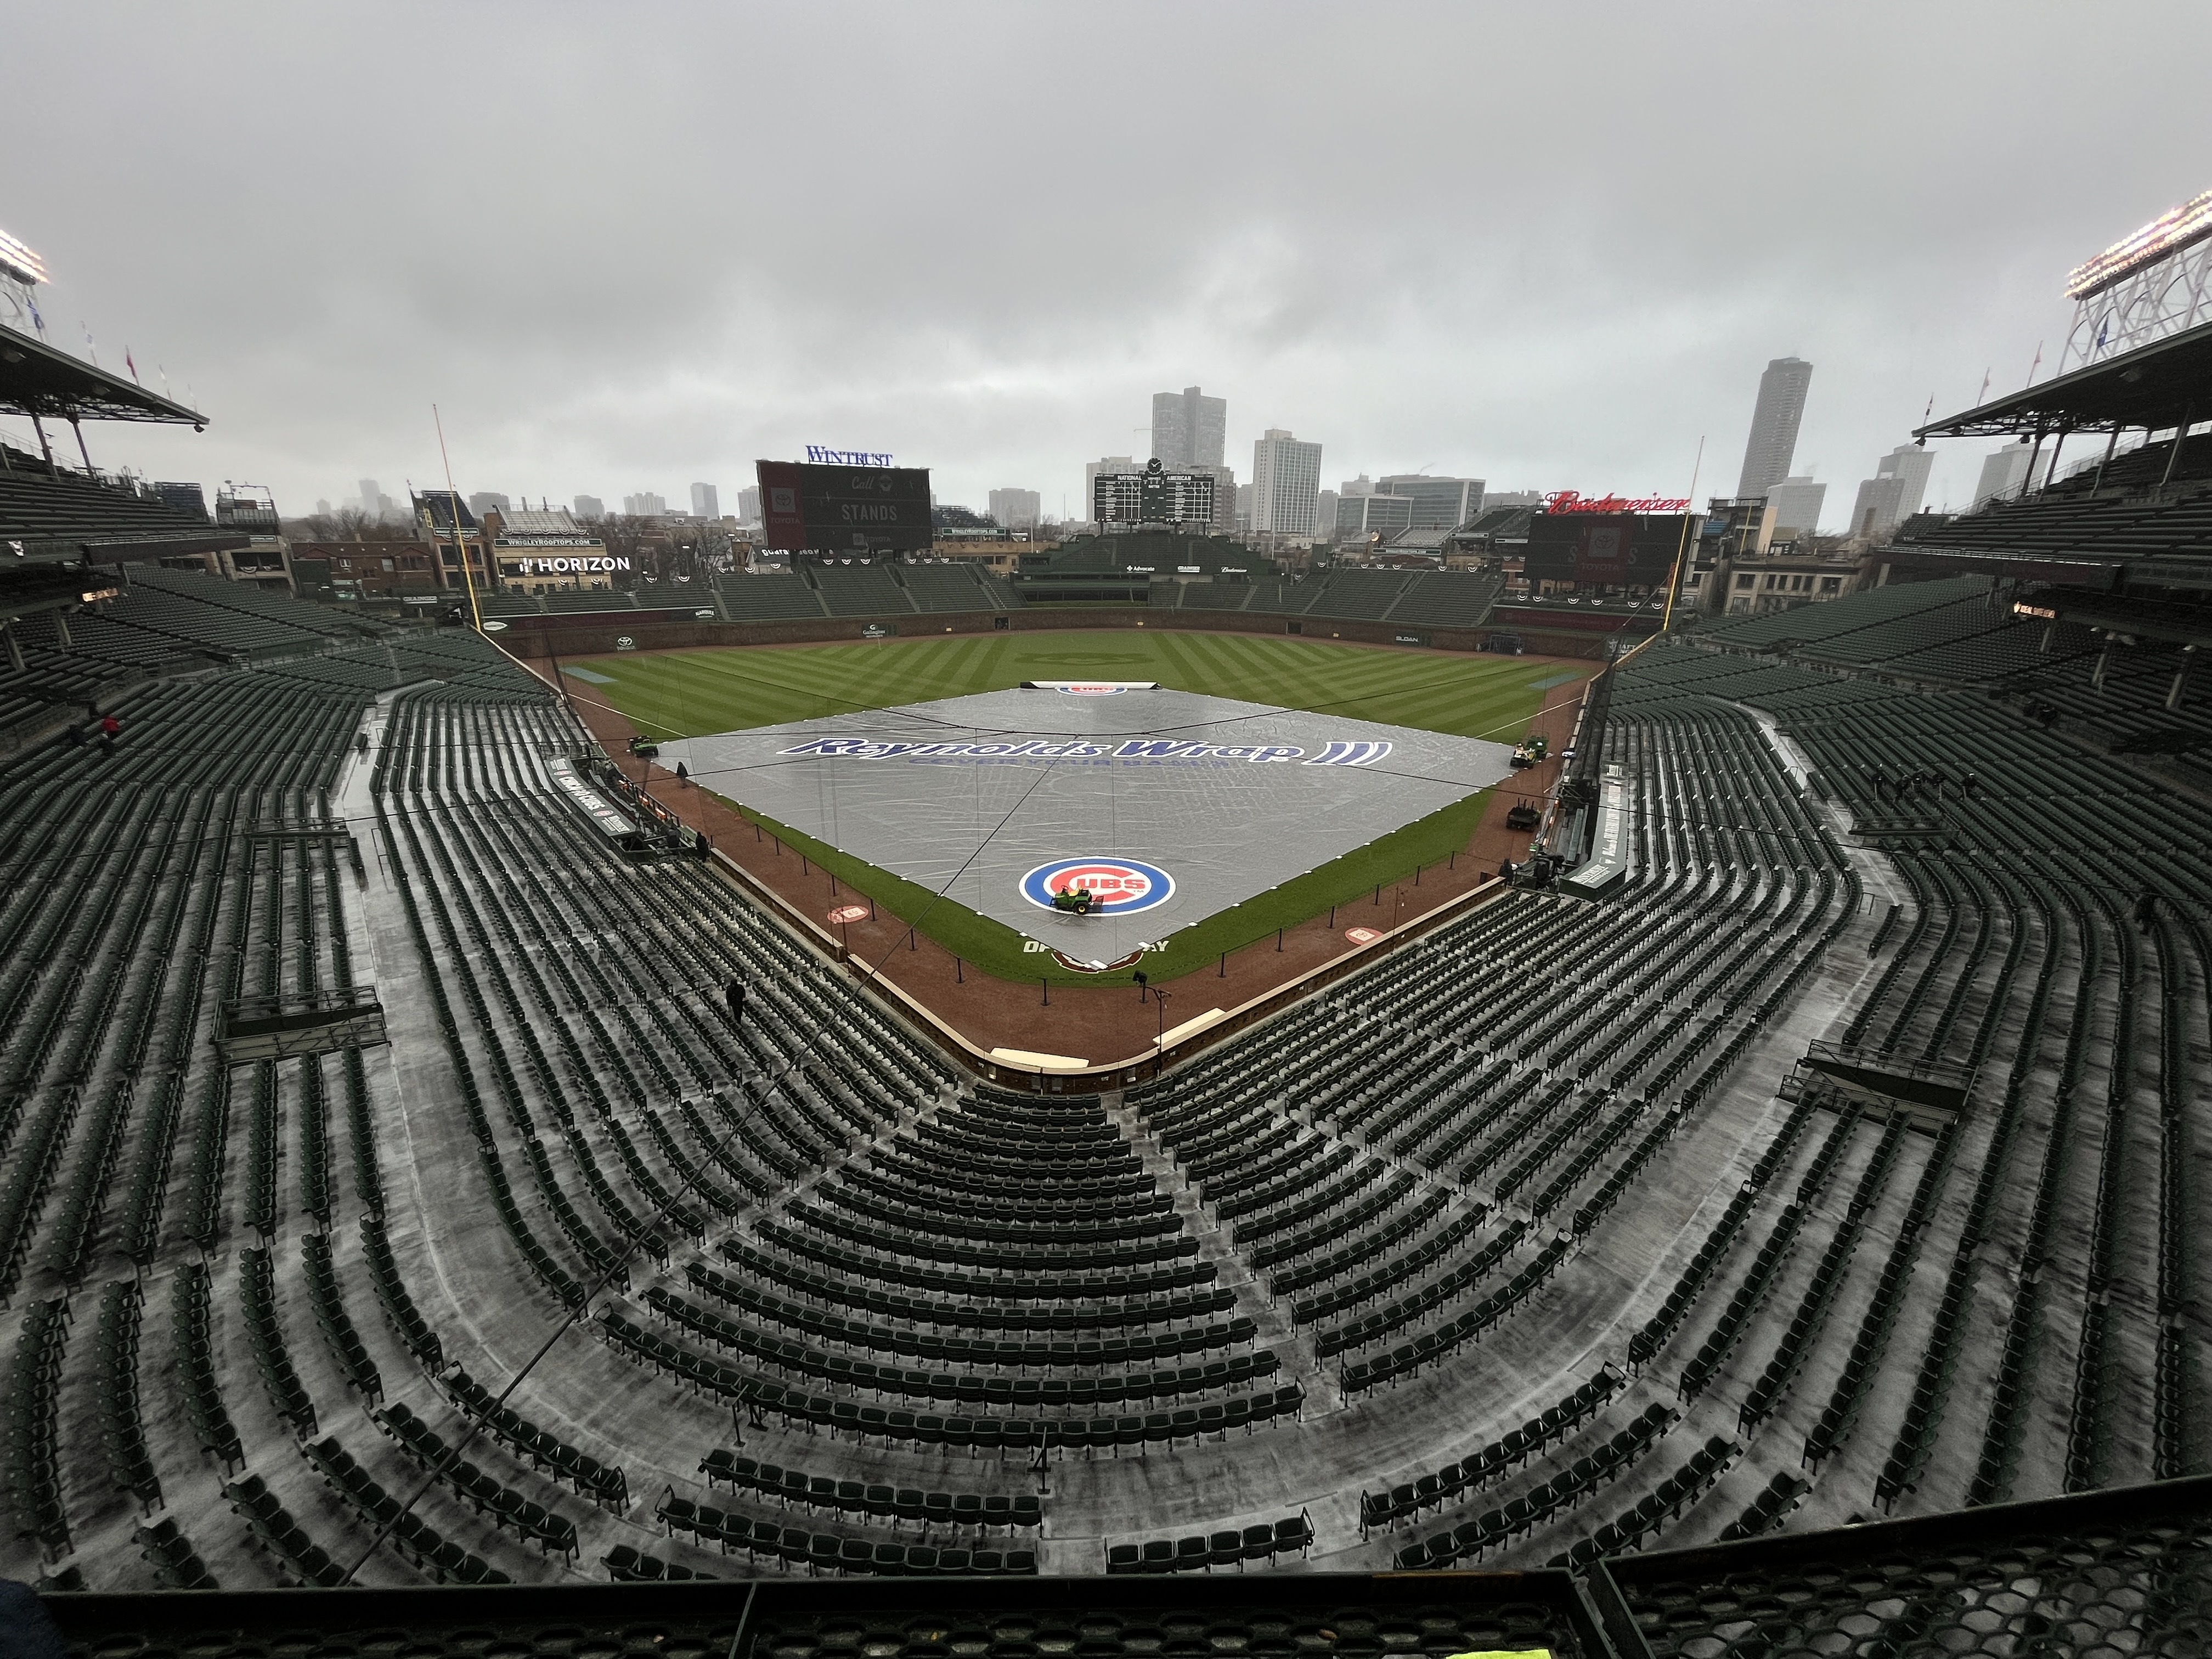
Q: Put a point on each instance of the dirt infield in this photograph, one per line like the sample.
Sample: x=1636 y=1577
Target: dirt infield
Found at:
x=1110 y=1023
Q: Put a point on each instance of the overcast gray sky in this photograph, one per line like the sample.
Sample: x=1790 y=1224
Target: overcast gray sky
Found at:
x=627 y=246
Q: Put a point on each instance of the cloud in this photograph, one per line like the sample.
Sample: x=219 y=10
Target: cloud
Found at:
x=625 y=248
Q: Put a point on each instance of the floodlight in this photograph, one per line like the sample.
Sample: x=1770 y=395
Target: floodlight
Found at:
x=2167 y=234
x=19 y=262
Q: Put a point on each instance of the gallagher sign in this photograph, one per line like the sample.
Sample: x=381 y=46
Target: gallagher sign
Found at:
x=1118 y=887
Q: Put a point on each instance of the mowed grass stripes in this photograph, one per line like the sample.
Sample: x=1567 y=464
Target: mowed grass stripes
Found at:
x=688 y=693
x=685 y=693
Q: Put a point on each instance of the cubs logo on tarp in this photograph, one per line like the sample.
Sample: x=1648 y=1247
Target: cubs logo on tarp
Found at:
x=1118 y=887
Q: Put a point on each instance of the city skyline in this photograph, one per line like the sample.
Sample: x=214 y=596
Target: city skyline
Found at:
x=1516 y=344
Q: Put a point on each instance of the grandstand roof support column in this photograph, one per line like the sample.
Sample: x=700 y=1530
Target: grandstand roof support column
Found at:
x=15 y=646
x=2027 y=478
x=77 y=426
x=44 y=448
x=2111 y=443
x=2188 y=414
x=2050 y=472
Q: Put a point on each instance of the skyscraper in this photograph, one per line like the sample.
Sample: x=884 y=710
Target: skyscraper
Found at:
x=487 y=500
x=644 y=504
x=1015 y=509
x=1285 y=484
x=2004 y=473
x=1108 y=464
x=1796 y=503
x=1438 y=503
x=591 y=506
x=1773 y=441
x=749 y=504
x=1224 y=494
x=705 y=502
x=1894 y=494
x=1188 y=430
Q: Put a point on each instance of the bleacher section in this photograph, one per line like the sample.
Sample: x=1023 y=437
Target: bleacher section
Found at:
x=1526 y=1245
x=1442 y=599
x=946 y=587
x=858 y=590
x=2114 y=527
x=767 y=599
x=1420 y=599
x=164 y=621
x=1360 y=595
x=55 y=511
x=2011 y=918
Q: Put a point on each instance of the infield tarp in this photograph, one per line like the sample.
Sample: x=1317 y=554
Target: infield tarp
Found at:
x=1176 y=804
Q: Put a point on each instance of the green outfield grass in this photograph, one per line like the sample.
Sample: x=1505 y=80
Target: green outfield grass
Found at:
x=689 y=693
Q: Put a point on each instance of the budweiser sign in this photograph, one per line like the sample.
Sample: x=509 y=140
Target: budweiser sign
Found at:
x=1566 y=501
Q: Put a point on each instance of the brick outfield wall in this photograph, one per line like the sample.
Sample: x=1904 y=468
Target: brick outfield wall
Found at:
x=592 y=635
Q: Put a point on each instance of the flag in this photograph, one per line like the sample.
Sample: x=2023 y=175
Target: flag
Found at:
x=91 y=350
x=128 y=364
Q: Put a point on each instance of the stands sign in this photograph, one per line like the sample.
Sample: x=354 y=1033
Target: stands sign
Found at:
x=1566 y=501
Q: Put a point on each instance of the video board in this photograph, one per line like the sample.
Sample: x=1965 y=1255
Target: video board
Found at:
x=824 y=508
x=1603 y=550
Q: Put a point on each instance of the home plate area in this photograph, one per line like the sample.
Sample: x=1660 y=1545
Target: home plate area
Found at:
x=1095 y=817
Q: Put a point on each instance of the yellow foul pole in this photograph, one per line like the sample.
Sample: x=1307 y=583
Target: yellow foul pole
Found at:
x=1674 y=581
x=453 y=506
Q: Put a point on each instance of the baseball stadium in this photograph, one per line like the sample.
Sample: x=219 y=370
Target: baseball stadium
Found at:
x=872 y=1109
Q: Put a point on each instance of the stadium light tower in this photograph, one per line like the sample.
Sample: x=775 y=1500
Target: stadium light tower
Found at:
x=2155 y=282
x=20 y=270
